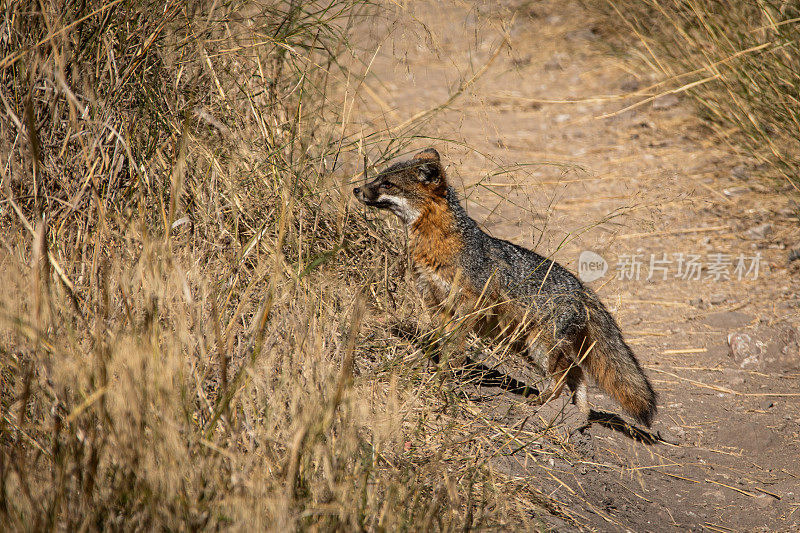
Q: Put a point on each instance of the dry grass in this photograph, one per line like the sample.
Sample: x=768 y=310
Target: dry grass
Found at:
x=195 y=332
x=738 y=60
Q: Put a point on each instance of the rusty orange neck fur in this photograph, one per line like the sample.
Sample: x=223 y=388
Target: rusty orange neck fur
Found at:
x=434 y=239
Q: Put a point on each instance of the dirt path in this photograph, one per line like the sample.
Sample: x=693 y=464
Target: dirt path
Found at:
x=639 y=184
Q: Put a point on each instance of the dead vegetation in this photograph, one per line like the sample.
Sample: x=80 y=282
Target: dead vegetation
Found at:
x=196 y=331
x=738 y=61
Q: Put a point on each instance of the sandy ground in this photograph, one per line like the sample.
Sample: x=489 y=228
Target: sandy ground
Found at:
x=529 y=147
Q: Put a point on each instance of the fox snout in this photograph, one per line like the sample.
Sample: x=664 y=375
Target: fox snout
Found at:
x=374 y=195
x=361 y=194
x=370 y=195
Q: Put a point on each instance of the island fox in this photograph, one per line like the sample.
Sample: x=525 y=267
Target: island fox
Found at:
x=559 y=327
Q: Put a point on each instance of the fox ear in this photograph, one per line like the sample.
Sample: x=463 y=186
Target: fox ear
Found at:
x=429 y=154
x=428 y=166
x=429 y=172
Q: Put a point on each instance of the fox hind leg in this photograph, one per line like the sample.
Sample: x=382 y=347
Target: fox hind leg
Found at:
x=576 y=382
x=538 y=353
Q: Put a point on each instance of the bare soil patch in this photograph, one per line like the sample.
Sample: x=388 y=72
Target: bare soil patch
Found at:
x=649 y=184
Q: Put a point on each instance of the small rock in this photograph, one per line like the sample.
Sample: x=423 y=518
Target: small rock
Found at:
x=677 y=432
x=666 y=102
x=762 y=500
x=562 y=117
x=760 y=232
x=740 y=172
x=716 y=299
x=716 y=494
x=735 y=191
x=696 y=302
x=766 y=404
x=765 y=347
x=794 y=255
x=744 y=349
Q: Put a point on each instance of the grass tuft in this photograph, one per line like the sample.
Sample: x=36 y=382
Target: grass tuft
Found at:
x=195 y=330
x=738 y=60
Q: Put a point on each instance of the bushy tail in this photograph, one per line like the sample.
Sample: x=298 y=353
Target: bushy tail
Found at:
x=613 y=366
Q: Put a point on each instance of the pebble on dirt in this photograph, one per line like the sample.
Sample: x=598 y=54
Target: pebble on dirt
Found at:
x=666 y=102
x=765 y=348
x=760 y=232
x=716 y=299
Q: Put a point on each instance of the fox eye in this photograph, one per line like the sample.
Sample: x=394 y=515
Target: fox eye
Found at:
x=386 y=185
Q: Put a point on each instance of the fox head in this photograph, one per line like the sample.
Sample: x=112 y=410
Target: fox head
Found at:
x=406 y=187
